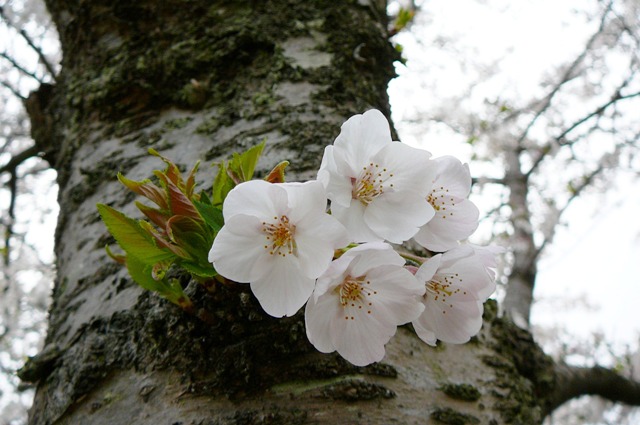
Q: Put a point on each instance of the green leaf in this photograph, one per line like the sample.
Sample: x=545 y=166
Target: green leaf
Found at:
x=191 y=235
x=244 y=164
x=119 y=258
x=131 y=237
x=211 y=215
x=199 y=270
x=141 y=273
x=221 y=185
x=163 y=242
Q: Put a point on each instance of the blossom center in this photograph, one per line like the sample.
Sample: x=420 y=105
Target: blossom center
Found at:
x=440 y=199
x=370 y=183
x=443 y=288
x=355 y=296
x=280 y=236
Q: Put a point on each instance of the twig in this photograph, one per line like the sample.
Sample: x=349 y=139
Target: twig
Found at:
x=50 y=69
x=19 y=67
x=572 y=382
x=13 y=90
x=19 y=158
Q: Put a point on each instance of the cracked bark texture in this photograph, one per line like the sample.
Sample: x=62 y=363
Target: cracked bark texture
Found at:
x=200 y=79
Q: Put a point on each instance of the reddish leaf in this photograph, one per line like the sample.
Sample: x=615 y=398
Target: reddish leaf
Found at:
x=157 y=217
x=277 y=174
x=191 y=181
x=147 y=189
x=179 y=203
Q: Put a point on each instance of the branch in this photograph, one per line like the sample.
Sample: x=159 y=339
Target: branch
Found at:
x=567 y=76
x=617 y=96
x=8 y=233
x=19 y=158
x=575 y=193
x=13 y=90
x=573 y=381
x=20 y=67
x=31 y=44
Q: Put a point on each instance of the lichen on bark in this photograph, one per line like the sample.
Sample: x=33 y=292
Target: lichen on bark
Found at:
x=200 y=79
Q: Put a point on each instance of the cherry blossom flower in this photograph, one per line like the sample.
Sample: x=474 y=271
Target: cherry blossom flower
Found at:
x=376 y=186
x=456 y=217
x=359 y=302
x=279 y=238
x=457 y=284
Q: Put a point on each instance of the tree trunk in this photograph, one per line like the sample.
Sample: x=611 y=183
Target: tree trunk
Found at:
x=200 y=79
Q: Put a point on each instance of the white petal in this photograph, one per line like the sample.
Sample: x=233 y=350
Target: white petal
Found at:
x=395 y=295
x=361 y=340
x=370 y=255
x=453 y=175
x=283 y=289
x=337 y=185
x=456 y=324
x=318 y=316
x=353 y=219
x=475 y=276
x=317 y=236
x=411 y=167
x=446 y=228
x=361 y=137
x=237 y=248
x=397 y=217
x=333 y=276
x=257 y=198
x=428 y=269
x=305 y=198
x=424 y=332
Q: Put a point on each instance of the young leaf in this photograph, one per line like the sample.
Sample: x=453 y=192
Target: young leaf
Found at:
x=244 y=164
x=189 y=234
x=157 y=217
x=277 y=174
x=221 y=185
x=211 y=215
x=179 y=204
x=162 y=241
x=147 y=189
x=131 y=237
x=141 y=273
x=199 y=270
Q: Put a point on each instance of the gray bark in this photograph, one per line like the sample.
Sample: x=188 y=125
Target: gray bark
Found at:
x=198 y=79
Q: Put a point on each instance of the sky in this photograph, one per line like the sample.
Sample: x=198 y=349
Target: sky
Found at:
x=588 y=279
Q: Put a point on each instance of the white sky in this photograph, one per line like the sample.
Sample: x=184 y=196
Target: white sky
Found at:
x=597 y=256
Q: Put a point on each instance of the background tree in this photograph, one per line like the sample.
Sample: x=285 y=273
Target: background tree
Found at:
x=202 y=81
x=537 y=142
x=27 y=198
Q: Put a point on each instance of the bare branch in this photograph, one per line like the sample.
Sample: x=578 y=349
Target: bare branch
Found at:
x=8 y=232
x=19 y=158
x=13 y=90
x=617 y=96
x=573 y=381
x=19 y=67
x=43 y=59
x=567 y=76
x=575 y=193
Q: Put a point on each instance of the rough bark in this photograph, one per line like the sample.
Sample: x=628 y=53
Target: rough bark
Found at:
x=200 y=79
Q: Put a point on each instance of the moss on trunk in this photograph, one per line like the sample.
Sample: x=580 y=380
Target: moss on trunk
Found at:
x=200 y=79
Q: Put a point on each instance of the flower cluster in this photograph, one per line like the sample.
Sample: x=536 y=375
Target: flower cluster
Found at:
x=281 y=239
